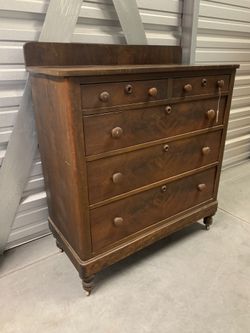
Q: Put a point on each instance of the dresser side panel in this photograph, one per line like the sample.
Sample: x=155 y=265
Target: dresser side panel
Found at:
x=60 y=136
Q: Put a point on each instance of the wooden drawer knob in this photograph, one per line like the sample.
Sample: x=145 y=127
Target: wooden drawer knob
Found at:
x=201 y=187
x=166 y=148
x=210 y=114
x=117 y=177
x=116 y=132
x=129 y=89
x=206 y=150
x=152 y=92
x=168 y=109
x=188 y=87
x=118 y=221
x=220 y=83
x=104 y=96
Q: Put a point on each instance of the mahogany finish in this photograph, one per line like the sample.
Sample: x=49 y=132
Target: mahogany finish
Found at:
x=148 y=124
x=146 y=208
x=77 y=54
x=145 y=166
x=117 y=93
x=195 y=85
x=131 y=145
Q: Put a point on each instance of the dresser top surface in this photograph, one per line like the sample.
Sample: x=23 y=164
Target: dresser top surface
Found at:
x=89 y=70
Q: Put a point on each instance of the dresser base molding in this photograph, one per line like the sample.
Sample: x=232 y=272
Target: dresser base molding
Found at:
x=87 y=268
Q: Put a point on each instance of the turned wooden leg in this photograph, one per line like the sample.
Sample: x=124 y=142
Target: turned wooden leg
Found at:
x=88 y=284
x=59 y=246
x=208 y=220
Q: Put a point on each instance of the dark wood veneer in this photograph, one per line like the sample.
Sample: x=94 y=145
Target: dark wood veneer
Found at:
x=76 y=54
x=130 y=144
x=196 y=87
x=148 y=124
x=148 y=207
x=123 y=93
x=149 y=165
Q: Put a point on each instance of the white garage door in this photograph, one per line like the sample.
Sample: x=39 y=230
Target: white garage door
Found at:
x=224 y=37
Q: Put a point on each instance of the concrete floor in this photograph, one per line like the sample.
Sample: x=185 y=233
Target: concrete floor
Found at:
x=194 y=281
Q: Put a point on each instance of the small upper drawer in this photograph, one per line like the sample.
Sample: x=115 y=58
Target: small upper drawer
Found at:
x=116 y=130
x=103 y=95
x=200 y=85
x=112 y=222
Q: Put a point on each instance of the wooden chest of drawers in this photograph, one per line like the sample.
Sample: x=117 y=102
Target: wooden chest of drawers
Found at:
x=131 y=144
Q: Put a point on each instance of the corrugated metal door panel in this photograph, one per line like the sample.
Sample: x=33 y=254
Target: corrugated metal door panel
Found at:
x=223 y=10
x=98 y=22
x=240 y=3
x=21 y=21
x=224 y=37
x=24 y=6
x=28 y=233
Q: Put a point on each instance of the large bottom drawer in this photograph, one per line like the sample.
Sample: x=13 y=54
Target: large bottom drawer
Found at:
x=112 y=222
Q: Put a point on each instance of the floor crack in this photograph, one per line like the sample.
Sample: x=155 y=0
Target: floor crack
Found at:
x=237 y=217
x=28 y=265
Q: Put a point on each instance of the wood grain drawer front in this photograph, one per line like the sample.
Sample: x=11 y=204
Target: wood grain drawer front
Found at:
x=112 y=222
x=109 y=94
x=148 y=124
x=111 y=176
x=200 y=85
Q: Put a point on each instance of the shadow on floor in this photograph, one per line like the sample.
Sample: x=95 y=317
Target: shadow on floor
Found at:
x=144 y=255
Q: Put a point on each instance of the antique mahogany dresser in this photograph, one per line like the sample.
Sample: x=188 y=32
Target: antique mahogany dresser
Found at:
x=131 y=143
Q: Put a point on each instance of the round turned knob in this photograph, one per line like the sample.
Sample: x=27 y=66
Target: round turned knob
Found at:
x=152 y=92
x=164 y=188
x=206 y=150
x=104 y=96
x=117 y=177
x=201 y=187
x=166 y=147
x=116 y=132
x=129 y=89
x=188 y=87
x=204 y=82
x=118 y=221
x=220 y=83
x=168 y=109
x=210 y=114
